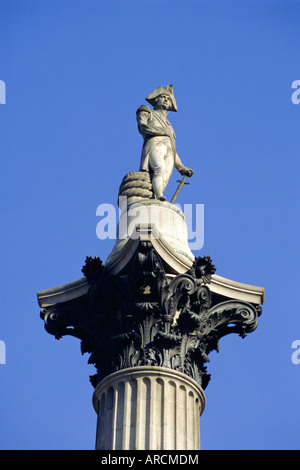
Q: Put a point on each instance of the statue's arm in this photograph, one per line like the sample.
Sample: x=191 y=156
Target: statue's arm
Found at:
x=183 y=170
x=145 y=128
x=178 y=163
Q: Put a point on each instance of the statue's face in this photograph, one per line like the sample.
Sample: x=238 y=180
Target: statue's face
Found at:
x=163 y=102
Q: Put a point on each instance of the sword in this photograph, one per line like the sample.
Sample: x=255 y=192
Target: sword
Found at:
x=180 y=186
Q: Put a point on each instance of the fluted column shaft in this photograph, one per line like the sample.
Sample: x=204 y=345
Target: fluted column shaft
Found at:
x=148 y=408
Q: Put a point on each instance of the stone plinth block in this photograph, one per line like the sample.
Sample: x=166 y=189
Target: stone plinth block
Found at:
x=148 y=408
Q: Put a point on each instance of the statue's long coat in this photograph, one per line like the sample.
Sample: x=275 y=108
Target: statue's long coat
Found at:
x=152 y=125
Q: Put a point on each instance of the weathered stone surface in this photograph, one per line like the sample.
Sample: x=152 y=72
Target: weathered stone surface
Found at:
x=148 y=408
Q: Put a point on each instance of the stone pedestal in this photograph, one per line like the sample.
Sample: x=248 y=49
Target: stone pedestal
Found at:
x=161 y=222
x=148 y=408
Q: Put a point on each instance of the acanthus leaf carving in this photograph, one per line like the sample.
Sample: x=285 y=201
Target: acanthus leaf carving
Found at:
x=141 y=317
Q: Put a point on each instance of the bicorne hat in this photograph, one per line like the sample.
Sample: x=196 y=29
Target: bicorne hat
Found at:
x=163 y=90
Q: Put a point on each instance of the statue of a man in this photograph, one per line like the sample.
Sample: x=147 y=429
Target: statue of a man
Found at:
x=159 y=155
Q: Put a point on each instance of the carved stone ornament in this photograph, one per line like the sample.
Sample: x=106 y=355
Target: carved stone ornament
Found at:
x=144 y=316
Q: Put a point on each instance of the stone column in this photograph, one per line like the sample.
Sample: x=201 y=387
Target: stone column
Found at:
x=149 y=318
x=148 y=408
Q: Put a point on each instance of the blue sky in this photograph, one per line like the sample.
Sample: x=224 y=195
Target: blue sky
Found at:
x=75 y=73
